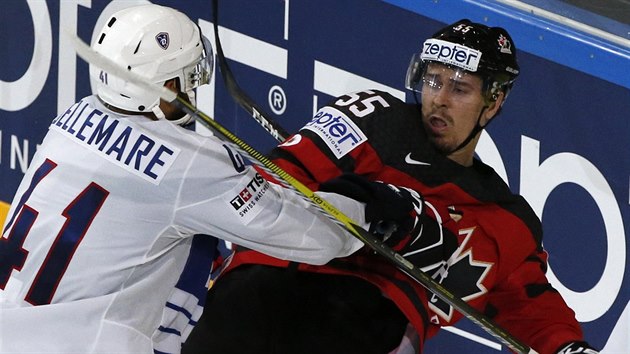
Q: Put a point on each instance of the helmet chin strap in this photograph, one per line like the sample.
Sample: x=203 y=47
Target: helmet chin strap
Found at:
x=476 y=129
x=184 y=120
x=158 y=112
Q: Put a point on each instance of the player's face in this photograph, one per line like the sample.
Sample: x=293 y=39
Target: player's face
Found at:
x=452 y=101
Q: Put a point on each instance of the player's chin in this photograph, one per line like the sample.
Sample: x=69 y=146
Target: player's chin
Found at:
x=442 y=144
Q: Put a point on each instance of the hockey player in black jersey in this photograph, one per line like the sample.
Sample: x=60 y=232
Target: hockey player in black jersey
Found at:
x=474 y=235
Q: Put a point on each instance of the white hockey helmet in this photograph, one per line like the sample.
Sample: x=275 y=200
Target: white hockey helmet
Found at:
x=159 y=43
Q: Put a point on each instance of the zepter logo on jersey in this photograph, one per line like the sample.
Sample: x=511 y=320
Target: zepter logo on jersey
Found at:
x=338 y=131
x=451 y=54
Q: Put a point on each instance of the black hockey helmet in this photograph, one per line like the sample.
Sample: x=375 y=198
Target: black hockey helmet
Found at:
x=486 y=51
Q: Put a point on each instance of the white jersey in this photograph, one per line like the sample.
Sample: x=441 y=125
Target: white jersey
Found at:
x=99 y=254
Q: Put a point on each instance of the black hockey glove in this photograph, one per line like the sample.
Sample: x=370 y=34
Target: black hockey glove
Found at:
x=391 y=211
x=577 y=348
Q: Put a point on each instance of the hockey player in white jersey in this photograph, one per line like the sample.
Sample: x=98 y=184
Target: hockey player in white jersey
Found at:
x=98 y=253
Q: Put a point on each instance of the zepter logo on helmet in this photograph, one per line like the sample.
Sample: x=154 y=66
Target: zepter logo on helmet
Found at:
x=485 y=51
x=451 y=54
x=158 y=43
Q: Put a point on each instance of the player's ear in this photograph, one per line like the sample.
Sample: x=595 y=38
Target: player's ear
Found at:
x=172 y=85
x=493 y=109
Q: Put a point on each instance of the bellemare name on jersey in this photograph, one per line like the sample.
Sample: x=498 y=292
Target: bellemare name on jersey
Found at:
x=117 y=141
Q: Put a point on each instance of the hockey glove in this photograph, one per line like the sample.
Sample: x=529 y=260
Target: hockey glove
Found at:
x=577 y=348
x=391 y=211
x=429 y=243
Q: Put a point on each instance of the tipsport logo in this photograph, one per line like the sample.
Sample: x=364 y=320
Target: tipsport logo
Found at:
x=451 y=54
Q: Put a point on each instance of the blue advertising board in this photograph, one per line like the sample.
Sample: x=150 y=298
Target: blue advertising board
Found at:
x=561 y=140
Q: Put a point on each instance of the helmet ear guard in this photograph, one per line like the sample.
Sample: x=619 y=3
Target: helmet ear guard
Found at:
x=493 y=86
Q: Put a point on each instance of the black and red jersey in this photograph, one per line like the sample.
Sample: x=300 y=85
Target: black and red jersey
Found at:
x=499 y=265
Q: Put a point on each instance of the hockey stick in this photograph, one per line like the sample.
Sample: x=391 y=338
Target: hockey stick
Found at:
x=271 y=126
x=239 y=95
x=96 y=59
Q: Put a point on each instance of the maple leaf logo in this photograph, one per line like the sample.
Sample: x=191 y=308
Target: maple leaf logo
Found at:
x=462 y=275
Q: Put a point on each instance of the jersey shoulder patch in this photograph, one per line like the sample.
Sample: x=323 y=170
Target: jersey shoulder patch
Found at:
x=337 y=130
